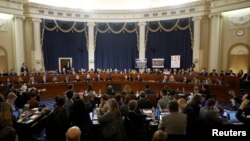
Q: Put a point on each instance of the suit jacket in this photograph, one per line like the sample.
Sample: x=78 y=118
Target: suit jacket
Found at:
x=174 y=123
x=24 y=68
x=209 y=117
x=98 y=79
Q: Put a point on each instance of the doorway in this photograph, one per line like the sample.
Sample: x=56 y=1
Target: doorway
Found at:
x=239 y=58
x=3 y=59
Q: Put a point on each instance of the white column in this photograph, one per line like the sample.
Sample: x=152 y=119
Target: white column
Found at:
x=19 y=57
x=196 y=44
x=214 y=49
x=91 y=45
x=37 y=60
x=142 y=47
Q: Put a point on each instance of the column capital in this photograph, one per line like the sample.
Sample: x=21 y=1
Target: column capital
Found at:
x=142 y=23
x=90 y=24
x=197 y=18
x=36 y=20
x=214 y=15
x=18 y=17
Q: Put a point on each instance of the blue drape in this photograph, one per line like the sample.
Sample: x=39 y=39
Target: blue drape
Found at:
x=173 y=41
x=59 y=43
x=115 y=49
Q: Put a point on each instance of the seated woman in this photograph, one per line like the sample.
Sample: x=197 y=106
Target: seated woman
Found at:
x=127 y=90
x=111 y=126
x=7 y=131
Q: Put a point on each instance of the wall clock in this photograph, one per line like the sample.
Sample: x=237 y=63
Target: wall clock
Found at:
x=240 y=32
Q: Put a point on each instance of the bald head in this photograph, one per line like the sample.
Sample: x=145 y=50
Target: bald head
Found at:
x=73 y=134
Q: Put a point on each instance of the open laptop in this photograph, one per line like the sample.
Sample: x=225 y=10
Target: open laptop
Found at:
x=231 y=118
x=16 y=114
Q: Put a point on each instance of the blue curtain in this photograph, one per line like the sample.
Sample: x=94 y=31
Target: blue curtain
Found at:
x=116 y=45
x=64 y=39
x=171 y=37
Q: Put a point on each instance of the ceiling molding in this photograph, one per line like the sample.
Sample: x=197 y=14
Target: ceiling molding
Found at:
x=189 y=10
x=228 y=5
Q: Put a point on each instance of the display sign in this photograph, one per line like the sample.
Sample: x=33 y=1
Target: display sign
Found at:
x=175 y=61
x=158 y=63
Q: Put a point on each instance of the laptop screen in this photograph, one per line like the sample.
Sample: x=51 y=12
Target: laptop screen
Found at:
x=231 y=116
x=16 y=114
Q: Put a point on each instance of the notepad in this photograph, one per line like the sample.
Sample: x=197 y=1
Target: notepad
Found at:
x=145 y=111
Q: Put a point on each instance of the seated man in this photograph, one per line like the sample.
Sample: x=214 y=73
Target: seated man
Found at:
x=148 y=90
x=109 y=78
x=175 y=122
x=77 y=78
x=135 y=122
x=138 y=78
x=98 y=78
x=143 y=102
x=88 y=78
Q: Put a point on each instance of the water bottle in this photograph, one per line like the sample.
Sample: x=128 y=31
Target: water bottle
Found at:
x=158 y=113
x=153 y=112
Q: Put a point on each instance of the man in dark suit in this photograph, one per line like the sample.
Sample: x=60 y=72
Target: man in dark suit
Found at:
x=138 y=78
x=24 y=68
x=143 y=102
x=98 y=78
x=68 y=67
x=148 y=90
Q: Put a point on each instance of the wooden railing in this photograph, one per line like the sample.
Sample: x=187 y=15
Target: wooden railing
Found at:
x=53 y=89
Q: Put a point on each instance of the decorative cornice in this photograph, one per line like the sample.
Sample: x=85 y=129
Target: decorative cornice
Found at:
x=228 y=5
x=192 y=9
x=10 y=7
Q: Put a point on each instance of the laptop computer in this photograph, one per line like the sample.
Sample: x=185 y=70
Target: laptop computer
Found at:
x=16 y=114
x=232 y=118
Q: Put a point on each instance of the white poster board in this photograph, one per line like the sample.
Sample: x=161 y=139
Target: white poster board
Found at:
x=158 y=63
x=175 y=61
